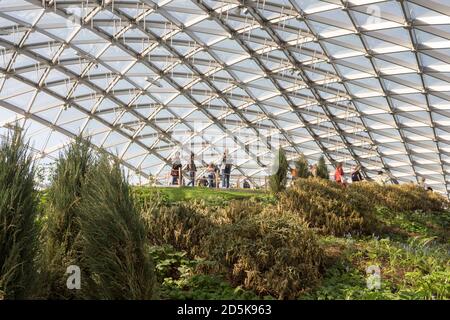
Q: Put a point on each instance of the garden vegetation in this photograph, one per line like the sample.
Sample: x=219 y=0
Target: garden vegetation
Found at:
x=311 y=240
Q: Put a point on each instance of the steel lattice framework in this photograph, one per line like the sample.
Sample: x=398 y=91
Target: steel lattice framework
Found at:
x=359 y=81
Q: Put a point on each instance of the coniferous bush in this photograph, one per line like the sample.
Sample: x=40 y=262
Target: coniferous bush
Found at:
x=302 y=167
x=322 y=169
x=18 y=212
x=255 y=246
x=400 y=198
x=113 y=237
x=328 y=207
x=278 y=179
x=183 y=226
x=265 y=249
x=62 y=228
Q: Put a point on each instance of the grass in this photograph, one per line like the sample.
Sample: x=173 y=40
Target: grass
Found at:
x=214 y=196
x=405 y=225
x=417 y=269
x=412 y=253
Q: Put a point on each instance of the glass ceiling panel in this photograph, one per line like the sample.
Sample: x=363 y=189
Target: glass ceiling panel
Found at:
x=364 y=82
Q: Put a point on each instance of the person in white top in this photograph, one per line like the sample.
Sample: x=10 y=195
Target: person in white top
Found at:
x=422 y=183
x=381 y=178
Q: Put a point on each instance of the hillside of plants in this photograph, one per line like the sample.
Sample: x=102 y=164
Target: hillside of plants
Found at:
x=311 y=240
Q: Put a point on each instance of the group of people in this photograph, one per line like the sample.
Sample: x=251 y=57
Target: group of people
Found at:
x=223 y=172
x=381 y=178
x=356 y=176
x=213 y=172
x=339 y=175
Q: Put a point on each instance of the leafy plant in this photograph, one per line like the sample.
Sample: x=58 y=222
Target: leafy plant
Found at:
x=183 y=226
x=302 y=167
x=18 y=212
x=272 y=253
x=328 y=207
x=322 y=169
x=113 y=238
x=279 y=178
x=61 y=230
x=400 y=198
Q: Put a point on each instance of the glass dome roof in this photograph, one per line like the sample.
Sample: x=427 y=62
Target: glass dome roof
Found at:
x=359 y=81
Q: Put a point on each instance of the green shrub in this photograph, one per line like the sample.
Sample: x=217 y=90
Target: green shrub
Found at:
x=271 y=252
x=403 y=197
x=302 y=167
x=322 y=169
x=113 y=239
x=329 y=207
x=256 y=246
x=61 y=230
x=183 y=226
x=180 y=279
x=18 y=211
x=279 y=179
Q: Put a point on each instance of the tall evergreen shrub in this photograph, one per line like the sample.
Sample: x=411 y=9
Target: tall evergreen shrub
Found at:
x=114 y=239
x=322 y=169
x=302 y=167
x=62 y=229
x=279 y=178
x=18 y=213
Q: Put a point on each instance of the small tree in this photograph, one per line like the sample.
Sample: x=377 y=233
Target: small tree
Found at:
x=114 y=239
x=279 y=177
x=302 y=167
x=322 y=169
x=61 y=235
x=18 y=213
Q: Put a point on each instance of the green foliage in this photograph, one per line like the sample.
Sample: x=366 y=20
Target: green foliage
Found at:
x=113 y=238
x=257 y=247
x=417 y=269
x=180 y=279
x=403 y=197
x=322 y=169
x=302 y=167
x=266 y=250
x=328 y=207
x=404 y=225
x=160 y=196
x=18 y=211
x=279 y=179
x=62 y=228
x=183 y=226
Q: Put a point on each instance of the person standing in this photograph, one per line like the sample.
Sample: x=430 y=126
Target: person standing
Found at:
x=339 y=174
x=313 y=170
x=176 y=166
x=192 y=168
x=422 y=183
x=226 y=170
x=294 y=173
x=381 y=178
x=211 y=175
x=356 y=174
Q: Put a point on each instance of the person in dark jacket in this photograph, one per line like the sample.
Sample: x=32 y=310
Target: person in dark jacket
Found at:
x=192 y=169
x=356 y=174
x=225 y=171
